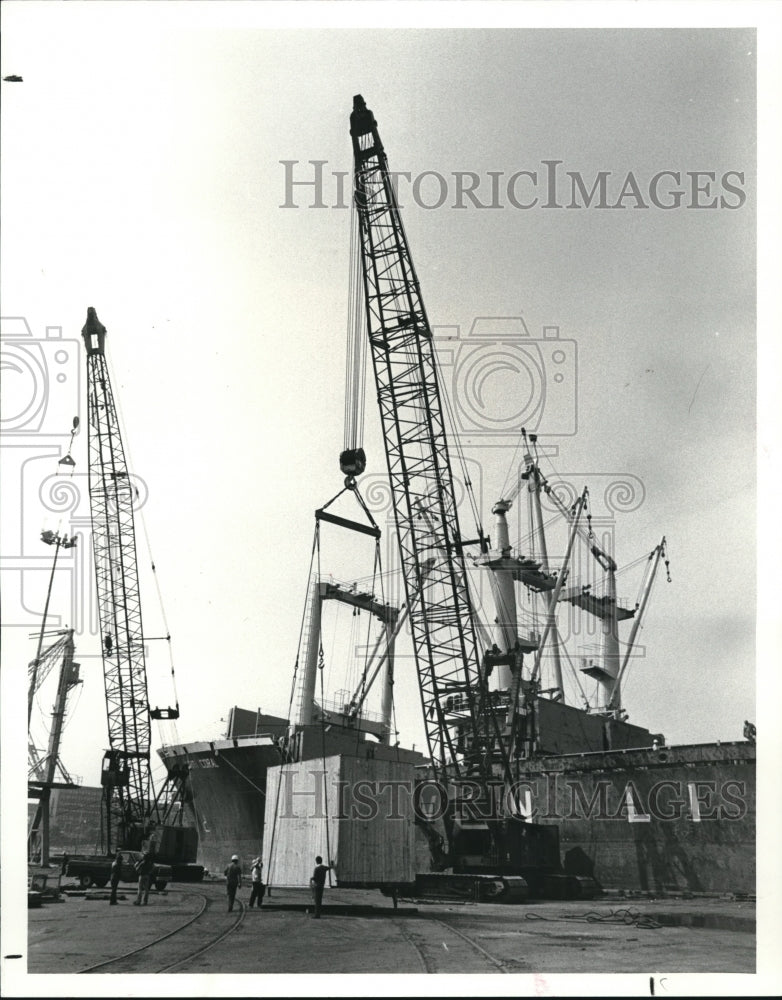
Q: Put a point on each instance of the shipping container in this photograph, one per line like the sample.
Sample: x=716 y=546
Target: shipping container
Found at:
x=355 y=811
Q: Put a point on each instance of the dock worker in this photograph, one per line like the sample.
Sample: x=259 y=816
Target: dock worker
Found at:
x=318 y=884
x=145 y=869
x=233 y=879
x=116 y=874
x=258 y=888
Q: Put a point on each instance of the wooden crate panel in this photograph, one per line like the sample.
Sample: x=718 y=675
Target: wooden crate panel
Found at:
x=354 y=810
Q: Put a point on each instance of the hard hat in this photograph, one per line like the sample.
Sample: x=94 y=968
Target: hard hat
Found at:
x=235 y=857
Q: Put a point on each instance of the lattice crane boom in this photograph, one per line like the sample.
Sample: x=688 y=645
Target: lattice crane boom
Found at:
x=126 y=771
x=419 y=468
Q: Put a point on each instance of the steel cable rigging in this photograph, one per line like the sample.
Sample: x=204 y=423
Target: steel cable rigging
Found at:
x=353 y=458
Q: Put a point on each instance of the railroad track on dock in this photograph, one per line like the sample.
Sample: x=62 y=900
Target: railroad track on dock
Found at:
x=176 y=948
x=445 y=953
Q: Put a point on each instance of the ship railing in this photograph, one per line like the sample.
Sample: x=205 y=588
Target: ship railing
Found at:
x=345 y=708
x=595 y=590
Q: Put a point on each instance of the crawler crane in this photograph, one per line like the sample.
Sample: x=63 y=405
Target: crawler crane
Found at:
x=134 y=817
x=466 y=737
x=479 y=730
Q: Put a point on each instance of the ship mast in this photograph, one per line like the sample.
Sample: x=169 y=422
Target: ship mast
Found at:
x=537 y=576
x=535 y=482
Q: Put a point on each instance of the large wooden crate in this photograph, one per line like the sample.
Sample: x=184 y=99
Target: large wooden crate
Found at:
x=354 y=810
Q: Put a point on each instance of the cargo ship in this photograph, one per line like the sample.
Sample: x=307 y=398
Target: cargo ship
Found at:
x=630 y=812
x=640 y=817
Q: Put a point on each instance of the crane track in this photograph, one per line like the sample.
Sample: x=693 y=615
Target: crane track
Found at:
x=474 y=944
x=114 y=964
x=428 y=952
x=426 y=964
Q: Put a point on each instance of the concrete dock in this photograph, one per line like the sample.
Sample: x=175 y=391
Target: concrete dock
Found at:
x=188 y=929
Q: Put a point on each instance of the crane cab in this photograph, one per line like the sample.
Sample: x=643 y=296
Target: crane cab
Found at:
x=114 y=772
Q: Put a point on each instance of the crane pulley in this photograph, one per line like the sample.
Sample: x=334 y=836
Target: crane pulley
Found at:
x=353 y=460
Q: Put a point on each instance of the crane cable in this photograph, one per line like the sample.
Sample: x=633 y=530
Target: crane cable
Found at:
x=314 y=596
x=355 y=362
x=663 y=556
x=455 y=442
x=310 y=594
x=448 y=414
x=377 y=574
x=138 y=512
x=511 y=468
x=323 y=716
x=166 y=629
x=584 y=698
x=587 y=534
x=526 y=543
x=286 y=754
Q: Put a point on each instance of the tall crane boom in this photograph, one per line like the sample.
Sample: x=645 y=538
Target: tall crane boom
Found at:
x=474 y=736
x=419 y=467
x=126 y=770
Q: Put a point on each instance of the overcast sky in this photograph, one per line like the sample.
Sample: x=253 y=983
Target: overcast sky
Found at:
x=142 y=175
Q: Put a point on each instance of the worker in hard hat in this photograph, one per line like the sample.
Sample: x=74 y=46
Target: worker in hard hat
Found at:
x=233 y=879
x=256 y=880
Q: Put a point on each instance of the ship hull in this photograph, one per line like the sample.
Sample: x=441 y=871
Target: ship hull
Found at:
x=672 y=819
x=227 y=788
x=669 y=819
